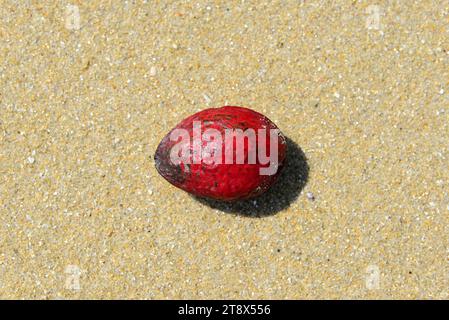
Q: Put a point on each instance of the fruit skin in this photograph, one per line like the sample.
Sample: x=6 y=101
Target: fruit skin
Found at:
x=228 y=182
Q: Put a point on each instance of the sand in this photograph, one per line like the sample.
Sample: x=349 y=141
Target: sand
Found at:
x=89 y=88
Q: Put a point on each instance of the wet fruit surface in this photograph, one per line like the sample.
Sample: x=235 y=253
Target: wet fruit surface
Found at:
x=213 y=173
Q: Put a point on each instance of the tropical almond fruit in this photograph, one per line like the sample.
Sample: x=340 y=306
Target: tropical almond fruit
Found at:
x=226 y=153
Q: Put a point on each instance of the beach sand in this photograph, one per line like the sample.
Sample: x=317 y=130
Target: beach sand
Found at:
x=89 y=88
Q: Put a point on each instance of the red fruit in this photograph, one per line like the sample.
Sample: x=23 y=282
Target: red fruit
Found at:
x=214 y=171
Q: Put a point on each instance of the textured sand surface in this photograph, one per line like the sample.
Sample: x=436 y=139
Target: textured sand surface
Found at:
x=361 y=87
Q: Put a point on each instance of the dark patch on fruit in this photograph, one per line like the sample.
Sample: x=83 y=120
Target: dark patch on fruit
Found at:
x=173 y=173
